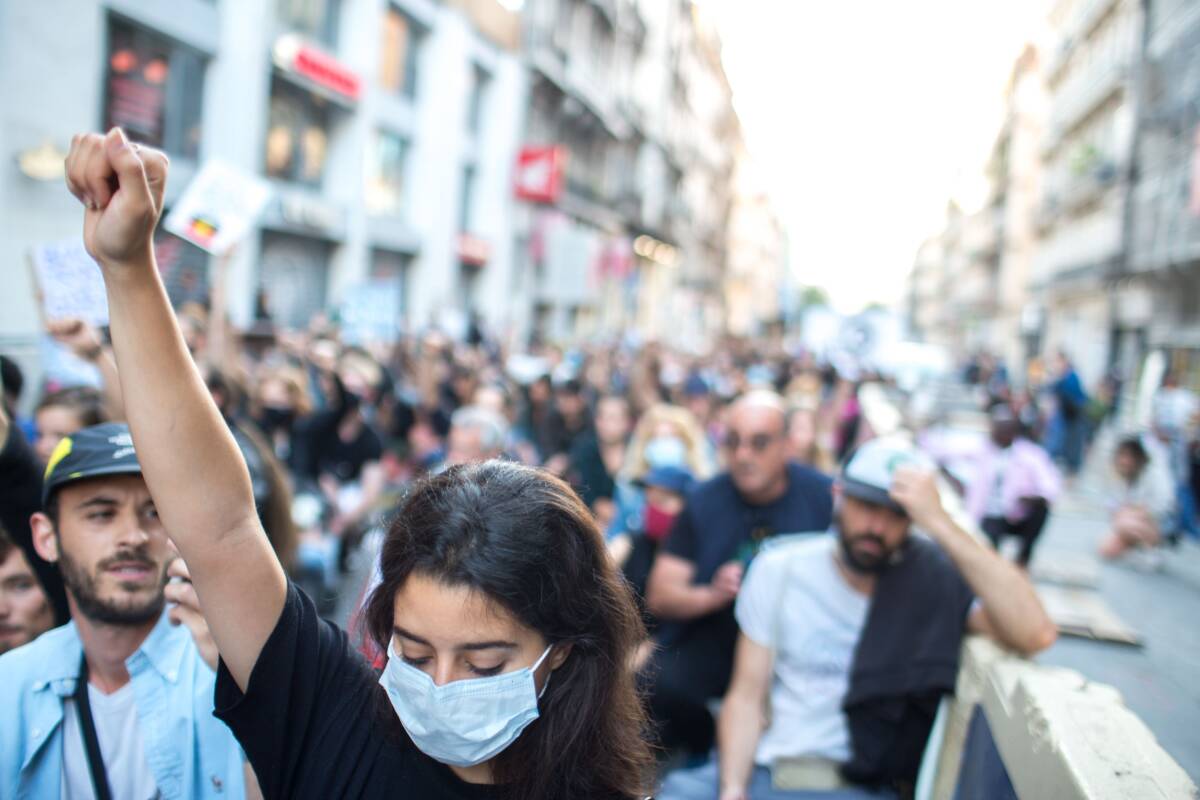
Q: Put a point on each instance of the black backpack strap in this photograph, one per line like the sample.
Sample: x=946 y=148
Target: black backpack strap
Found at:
x=91 y=744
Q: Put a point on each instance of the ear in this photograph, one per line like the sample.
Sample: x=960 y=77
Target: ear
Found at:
x=559 y=656
x=44 y=540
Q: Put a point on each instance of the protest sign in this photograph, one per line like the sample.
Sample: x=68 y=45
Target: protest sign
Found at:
x=370 y=312
x=218 y=207
x=69 y=282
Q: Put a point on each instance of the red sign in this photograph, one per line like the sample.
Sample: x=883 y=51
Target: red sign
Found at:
x=472 y=250
x=540 y=172
x=318 y=66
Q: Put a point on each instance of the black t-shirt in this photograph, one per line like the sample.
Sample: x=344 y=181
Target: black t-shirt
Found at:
x=314 y=721
x=588 y=474
x=320 y=450
x=717 y=526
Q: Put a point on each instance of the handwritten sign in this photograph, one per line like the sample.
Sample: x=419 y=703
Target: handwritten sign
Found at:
x=70 y=282
x=370 y=312
x=218 y=207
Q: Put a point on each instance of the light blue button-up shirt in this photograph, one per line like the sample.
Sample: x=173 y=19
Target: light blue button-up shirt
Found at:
x=190 y=753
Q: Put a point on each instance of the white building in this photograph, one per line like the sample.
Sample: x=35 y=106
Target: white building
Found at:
x=1088 y=157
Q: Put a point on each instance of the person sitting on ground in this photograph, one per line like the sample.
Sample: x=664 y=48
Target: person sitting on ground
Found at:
x=598 y=455
x=665 y=492
x=120 y=699
x=666 y=435
x=1013 y=485
x=476 y=434
x=498 y=605
x=25 y=611
x=1142 y=501
x=853 y=636
x=699 y=568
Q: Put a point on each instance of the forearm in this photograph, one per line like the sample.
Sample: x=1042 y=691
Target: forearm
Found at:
x=190 y=461
x=738 y=730
x=674 y=602
x=1008 y=598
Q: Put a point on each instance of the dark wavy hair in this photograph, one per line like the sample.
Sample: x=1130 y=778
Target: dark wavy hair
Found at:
x=524 y=539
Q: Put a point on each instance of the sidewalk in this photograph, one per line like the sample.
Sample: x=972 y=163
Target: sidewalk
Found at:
x=1160 y=681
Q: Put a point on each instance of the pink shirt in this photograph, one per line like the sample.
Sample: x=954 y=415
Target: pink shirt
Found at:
x=1027 y=472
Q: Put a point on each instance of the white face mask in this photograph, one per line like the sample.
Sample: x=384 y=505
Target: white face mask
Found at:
x=467 y=722
x=666 y=451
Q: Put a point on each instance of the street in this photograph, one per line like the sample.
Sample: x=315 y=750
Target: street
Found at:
x=1158 y=680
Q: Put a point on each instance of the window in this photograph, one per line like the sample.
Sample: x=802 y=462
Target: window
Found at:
x=316 y=19
x=385 y=179
x=480 y=80
x=154 y=89
x=398 y=69
x=297 y=134
x=466 y=199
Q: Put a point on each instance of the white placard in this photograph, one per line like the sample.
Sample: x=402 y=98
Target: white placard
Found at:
x=218 y=207
x=70 y=282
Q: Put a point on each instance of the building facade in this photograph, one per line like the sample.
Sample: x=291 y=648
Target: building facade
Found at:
x=1163 y=270
x=1088 y=159
x=387 y=130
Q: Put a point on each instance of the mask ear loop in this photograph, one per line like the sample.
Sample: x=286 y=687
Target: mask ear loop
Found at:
x=533 y=671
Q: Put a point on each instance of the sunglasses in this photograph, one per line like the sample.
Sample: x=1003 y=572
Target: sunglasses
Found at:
x=758 y=442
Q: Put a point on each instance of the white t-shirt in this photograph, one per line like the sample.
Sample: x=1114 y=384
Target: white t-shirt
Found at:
x=795 y=592
x=116 y=719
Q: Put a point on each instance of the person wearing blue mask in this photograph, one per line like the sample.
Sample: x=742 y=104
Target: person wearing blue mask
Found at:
x=509 y=632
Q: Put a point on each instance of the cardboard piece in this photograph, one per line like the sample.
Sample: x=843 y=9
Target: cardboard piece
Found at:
x=1084 y=613
x=1067 y=569
x=218 y=207
x=69 y=282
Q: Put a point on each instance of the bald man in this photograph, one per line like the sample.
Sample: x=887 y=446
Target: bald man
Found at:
x=699 y=570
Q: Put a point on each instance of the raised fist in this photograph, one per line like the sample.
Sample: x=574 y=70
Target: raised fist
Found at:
x=121 y=187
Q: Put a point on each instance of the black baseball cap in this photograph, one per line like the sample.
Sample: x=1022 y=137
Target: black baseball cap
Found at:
x=91 y=453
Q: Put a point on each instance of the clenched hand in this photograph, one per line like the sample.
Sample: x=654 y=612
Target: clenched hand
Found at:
x=121 y=187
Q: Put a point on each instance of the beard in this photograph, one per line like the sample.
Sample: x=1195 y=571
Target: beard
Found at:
x=82 y=585
x=864 y=562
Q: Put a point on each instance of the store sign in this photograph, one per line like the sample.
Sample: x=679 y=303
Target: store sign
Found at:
x=540 y=173
x=294 y=55
x=305 y=212
x=472 y=250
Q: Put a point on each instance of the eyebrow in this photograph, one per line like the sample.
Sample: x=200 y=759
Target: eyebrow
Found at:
x=493 y=645
x=99 y=500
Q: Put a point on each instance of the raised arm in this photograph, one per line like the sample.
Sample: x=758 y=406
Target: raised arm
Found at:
x=192 y=466
x=1011 y=612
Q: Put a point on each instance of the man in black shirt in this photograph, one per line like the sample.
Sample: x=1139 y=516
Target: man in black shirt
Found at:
x=699 y=571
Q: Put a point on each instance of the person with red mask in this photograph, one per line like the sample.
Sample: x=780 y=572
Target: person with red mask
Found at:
x=665 y=489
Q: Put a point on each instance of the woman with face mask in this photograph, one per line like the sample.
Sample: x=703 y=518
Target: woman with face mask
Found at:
x=665 y=436
x=509 y=634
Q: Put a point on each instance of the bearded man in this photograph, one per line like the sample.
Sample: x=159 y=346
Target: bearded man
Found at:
x=853 y=636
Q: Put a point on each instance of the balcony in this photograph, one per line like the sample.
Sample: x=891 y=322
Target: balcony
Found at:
x=1077 y=99
x=1077 y=30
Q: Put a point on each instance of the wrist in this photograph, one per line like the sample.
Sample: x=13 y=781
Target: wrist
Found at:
x=939 y=525
x=137 y=266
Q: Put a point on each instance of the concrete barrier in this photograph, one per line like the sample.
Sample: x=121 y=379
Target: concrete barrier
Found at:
x=1057 y=734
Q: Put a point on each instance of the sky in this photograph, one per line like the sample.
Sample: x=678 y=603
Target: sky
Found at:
x=864 y=118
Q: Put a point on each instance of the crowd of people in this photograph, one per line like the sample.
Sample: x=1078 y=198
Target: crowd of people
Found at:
x=610 y=571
